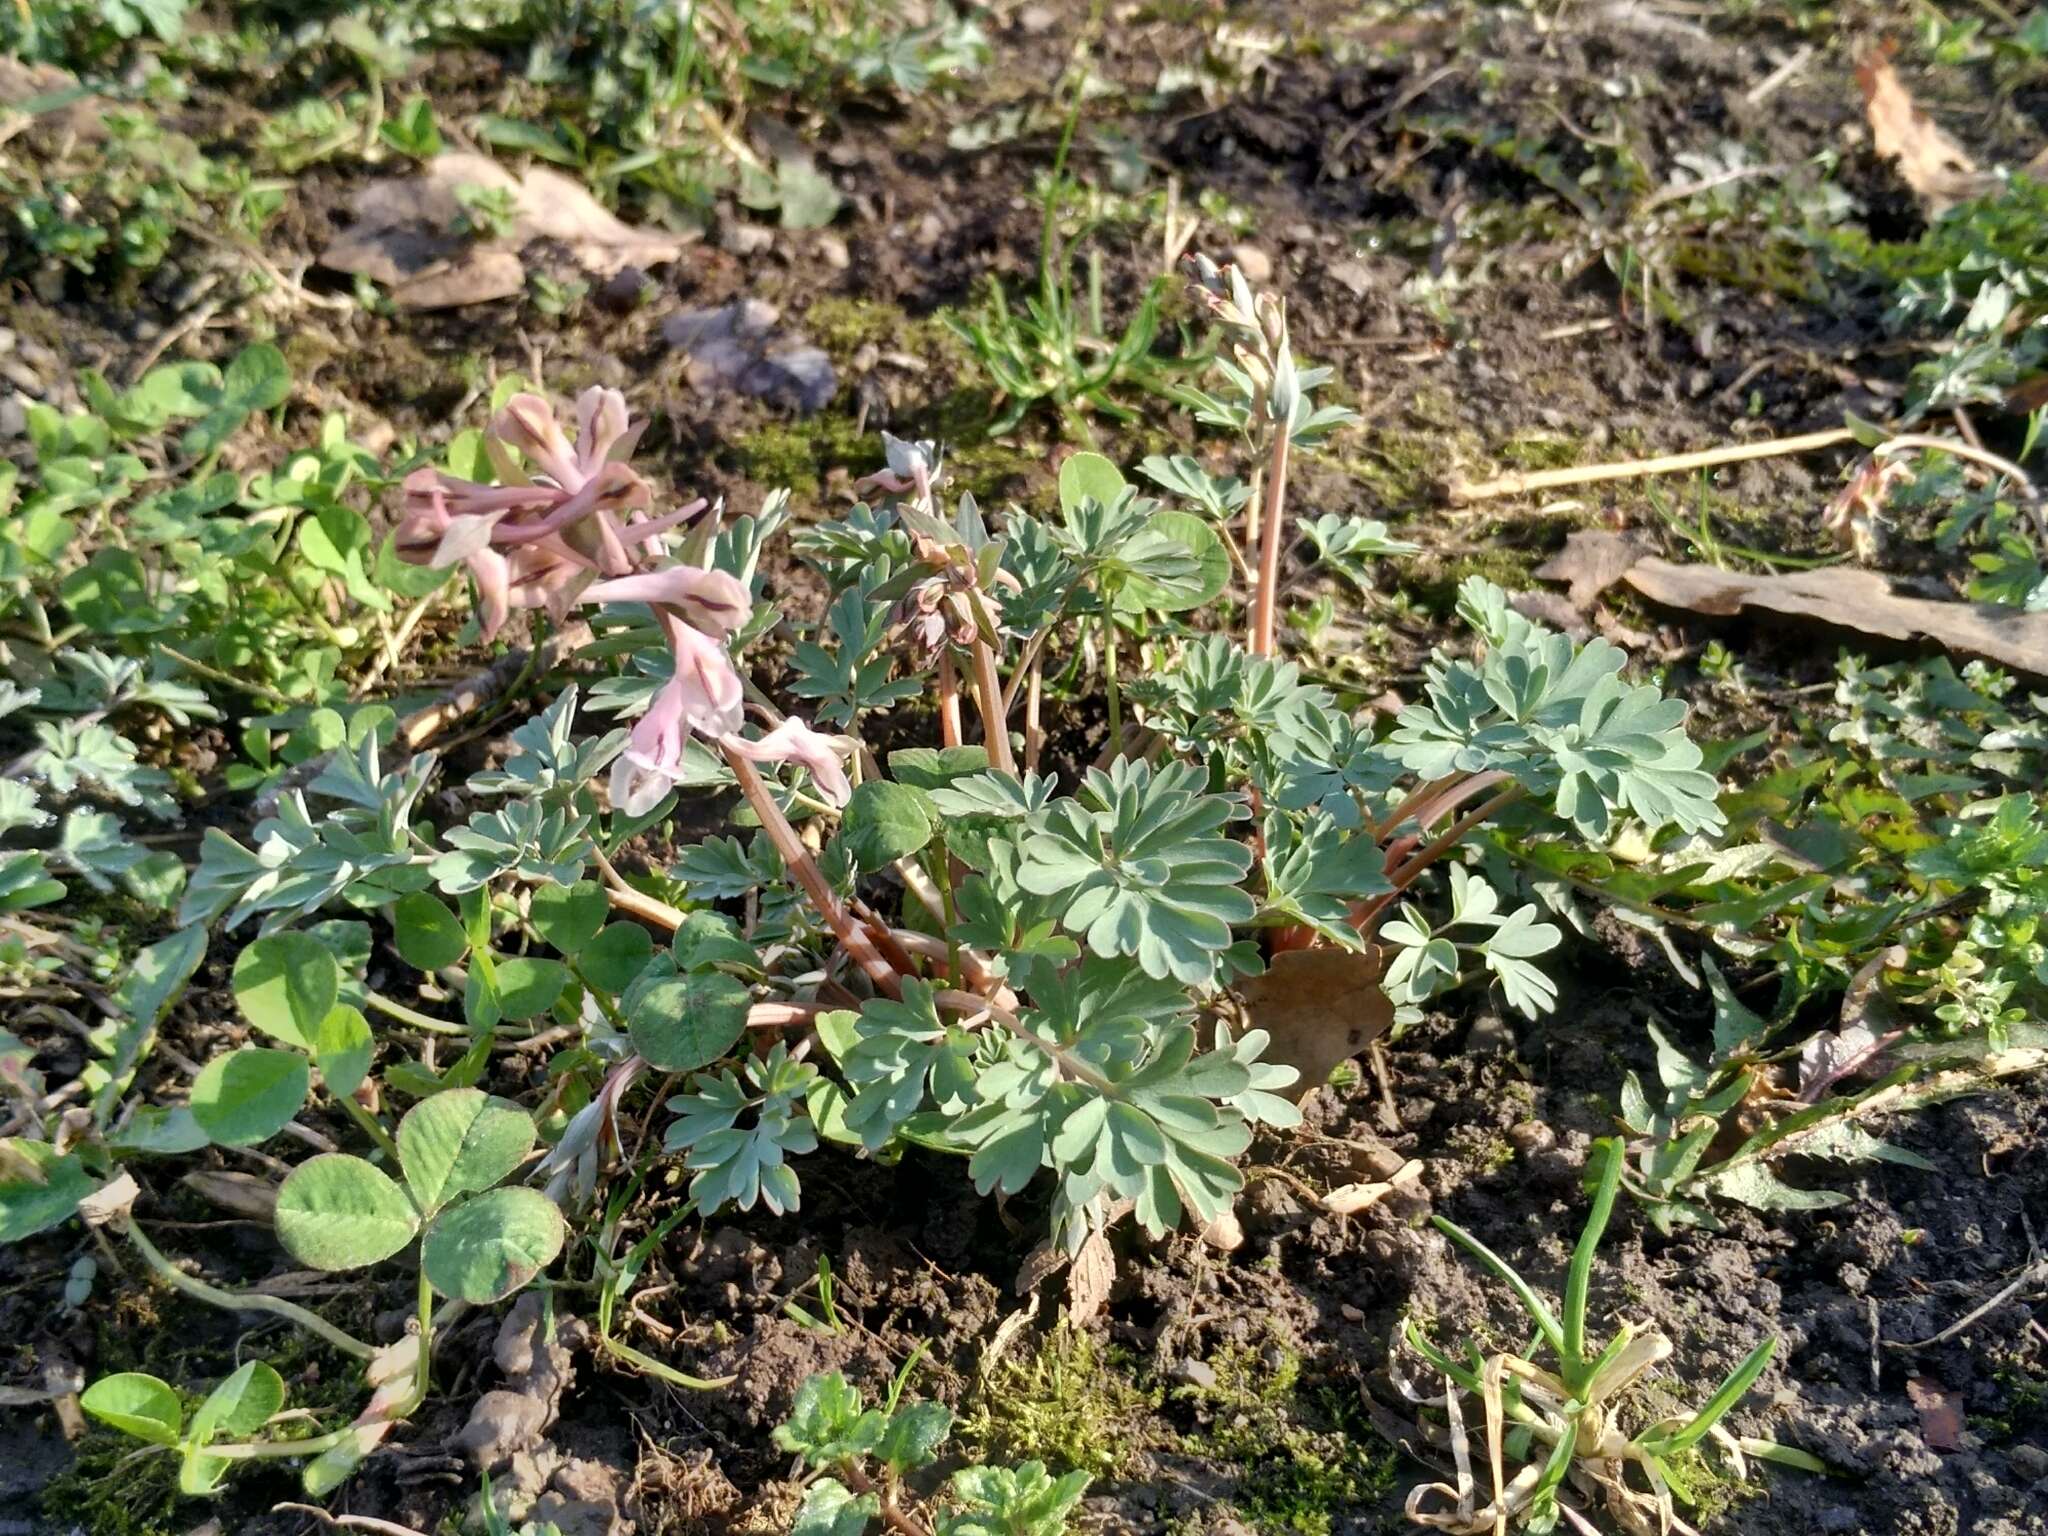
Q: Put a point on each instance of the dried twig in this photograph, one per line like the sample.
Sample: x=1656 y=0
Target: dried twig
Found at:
x=1464 y=493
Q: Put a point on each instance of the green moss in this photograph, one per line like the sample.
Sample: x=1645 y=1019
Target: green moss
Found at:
x=1306 y=1454
x=1539 y=450
x=1072 y=1405
x=111 y=1491
x=800 y=454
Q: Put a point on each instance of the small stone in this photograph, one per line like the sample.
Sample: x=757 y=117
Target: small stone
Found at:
x=1351 y=1314
x=1254 y=263
x=1225 y=1233
x=834 y=253
x=930 y=229
x=1195 y=1373
x=1353 y=275
x=743 y=238
x=1036 y=19
x=1490 y=1033
x=1531 y=1136
x=2030 y=1461
x=623 y=292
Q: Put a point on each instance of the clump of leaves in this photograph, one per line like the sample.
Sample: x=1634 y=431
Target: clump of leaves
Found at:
x=1973 y=278
x=1054 y=347
x=862 y=1461
x=1560 y=1428
x=140 y=1405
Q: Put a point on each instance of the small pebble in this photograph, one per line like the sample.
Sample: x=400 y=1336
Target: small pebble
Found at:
x=1196 y=1373
x=742 y=238
x=1531 y=1136
x=833 y=250
x=1353 y=275
x=1254 y=263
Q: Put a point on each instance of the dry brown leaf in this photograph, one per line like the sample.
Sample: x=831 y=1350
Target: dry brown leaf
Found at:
x=1941 y=1413
x=1320 y=1006
x=1350 y=1199
x=1089 y=1280
x=1937 y=168
x=405 y=235
x=1862 y=602
x=82 y=115
x=242 y=1193
x=110 y=1203
x=1591 y=561
x=1225 y=1234
x=1552 y=609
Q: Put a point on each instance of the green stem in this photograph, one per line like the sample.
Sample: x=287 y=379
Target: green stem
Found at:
x=273 y=1449
x=233 y=1301
x=405 y=1015
x=1116 y=702
x=372 y=1126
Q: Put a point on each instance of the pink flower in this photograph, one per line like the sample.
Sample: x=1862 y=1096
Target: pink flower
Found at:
x=710 y=601
x=711 y=691
x=604 y=436
x=541 y=537
x=652 y=761
x=794 y=742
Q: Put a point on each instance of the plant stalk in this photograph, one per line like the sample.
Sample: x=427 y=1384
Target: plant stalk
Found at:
x=1265 y=603
x=233 y=1301
x=852 y=937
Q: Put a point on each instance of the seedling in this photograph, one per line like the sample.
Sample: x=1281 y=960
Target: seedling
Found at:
x=1561 y=1427
x=1056 y=348
x=214 y=1438
x=861 y=1460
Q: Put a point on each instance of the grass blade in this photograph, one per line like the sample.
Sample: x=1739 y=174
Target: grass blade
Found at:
x=1572 y=1352
x=1531 y=1302
x=1726 y=1396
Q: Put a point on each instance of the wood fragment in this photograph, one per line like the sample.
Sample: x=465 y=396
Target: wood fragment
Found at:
x=1463 y=493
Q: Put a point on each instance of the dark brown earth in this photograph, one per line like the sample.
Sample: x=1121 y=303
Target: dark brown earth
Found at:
x=1218 y=1391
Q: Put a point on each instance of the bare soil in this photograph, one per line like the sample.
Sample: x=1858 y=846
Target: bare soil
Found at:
x=1221 y=1390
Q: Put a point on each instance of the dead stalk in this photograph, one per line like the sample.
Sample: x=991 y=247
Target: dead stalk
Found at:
x=1464 y=493
x=995 y=724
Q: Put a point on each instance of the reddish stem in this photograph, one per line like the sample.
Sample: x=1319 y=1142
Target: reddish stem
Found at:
x=995 y=723
x=949 y=701
x=1409 y=872
x=852 y=937
x=1265 y=604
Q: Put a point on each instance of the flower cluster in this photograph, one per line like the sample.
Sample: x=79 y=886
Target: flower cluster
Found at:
x=572 y=523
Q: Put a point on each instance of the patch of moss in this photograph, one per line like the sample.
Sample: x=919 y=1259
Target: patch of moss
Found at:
x=1539 y=450
x=1072 y=1405
x=800 y=454
x=109 y=1490
x=1305 y=1453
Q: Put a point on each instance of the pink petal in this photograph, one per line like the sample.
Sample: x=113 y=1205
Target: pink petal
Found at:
x=795 y=742
x=528 y=423
x=708 y=600
x=711 y=691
